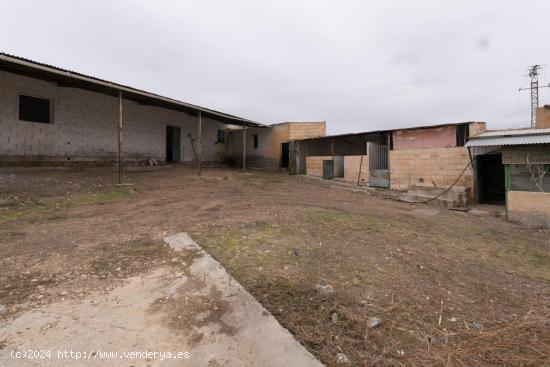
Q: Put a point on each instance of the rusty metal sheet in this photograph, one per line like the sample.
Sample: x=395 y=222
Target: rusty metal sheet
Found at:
x=379 y=178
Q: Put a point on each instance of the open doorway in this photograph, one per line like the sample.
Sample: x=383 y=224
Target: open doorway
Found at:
x=490 y=187
x=339 y=166
x=173 y=144
x=284 y=155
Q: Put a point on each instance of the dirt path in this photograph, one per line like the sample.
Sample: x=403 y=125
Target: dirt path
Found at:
x=67 y=234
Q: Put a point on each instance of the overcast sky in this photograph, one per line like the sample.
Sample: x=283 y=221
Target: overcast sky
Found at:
x=359 y=65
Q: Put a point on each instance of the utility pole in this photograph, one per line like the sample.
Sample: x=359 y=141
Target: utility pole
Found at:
x=534 y=75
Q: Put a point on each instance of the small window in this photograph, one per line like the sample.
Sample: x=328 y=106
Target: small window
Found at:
x=462 y=135
x=221 y=136
x=255 y=141
x=35 y=109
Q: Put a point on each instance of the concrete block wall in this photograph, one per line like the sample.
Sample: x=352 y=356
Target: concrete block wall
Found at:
x=529 y=208
x=419 y=167
x=543 y=117
x=306 y=130
x=436 y=137
x=356 y=169
x=267 y=154
x=84 y=127
x=476 y=128
x=314 y=165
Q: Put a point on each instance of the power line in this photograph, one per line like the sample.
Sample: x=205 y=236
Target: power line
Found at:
x=429 y=83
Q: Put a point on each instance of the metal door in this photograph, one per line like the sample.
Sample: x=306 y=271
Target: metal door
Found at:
x=328 y=169
x=379 y=173
x=173 y=144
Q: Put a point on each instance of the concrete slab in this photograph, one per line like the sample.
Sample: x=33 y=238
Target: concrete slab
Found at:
x=211 y=321
x=261 y=340
x=182 y=241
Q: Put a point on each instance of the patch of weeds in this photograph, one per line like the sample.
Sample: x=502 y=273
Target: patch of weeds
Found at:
x=540 y=262
x=58 y=216
x=101 y=198
x=35 y=211
x=339 y=220
x=473 y=230
x=526 y=260
x=20 y=213
x=127 y=258
x=246 y=236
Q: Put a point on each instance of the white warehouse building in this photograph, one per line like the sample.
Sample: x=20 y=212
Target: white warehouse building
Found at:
x=51 y=115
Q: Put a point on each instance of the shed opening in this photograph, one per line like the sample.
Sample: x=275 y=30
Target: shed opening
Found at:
x=490 y=187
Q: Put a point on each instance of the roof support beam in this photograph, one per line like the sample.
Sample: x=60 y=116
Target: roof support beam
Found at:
x=120 y=157
x=332 y=153
x=199 y=148
x=244 y=146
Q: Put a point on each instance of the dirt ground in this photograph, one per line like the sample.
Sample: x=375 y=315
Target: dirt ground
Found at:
x=450 y=288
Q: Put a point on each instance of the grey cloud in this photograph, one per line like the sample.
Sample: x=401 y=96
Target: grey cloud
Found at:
x=360 y=65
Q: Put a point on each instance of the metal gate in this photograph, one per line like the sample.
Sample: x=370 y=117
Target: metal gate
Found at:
x=379 y=173
x=173 y=144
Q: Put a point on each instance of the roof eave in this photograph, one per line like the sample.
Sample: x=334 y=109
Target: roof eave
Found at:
x=68 y=78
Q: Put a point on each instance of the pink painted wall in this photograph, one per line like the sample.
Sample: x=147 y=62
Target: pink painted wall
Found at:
x=437 y=137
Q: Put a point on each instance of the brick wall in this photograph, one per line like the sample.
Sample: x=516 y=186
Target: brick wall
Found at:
x=314 y=165
x=420 y=167
x=351 y=168
x=85 y=126
x=530 y=208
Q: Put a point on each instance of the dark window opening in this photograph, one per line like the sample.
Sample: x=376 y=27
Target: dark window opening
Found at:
x=462 y=135
x=221 y=136
x=522 y=178
x=34 y=109
x=255 y=141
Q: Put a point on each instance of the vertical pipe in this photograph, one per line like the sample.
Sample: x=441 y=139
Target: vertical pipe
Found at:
x=360 y=166
x=244 y=146
x=507 y=184
x=120 y=161
x=199 y=134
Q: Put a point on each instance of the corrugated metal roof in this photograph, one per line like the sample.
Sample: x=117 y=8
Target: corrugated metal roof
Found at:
x=392 y=130
x=511 y=132
x=66 y=77
x=509 y=140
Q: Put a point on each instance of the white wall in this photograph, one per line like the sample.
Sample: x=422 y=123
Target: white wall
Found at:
x=85 y=126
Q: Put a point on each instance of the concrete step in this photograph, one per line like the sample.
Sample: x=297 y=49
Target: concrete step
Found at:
x=427 y=199
x=456 y=196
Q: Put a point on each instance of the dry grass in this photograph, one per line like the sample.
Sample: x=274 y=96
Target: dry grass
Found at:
x=413 y=276
x=280 y=236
